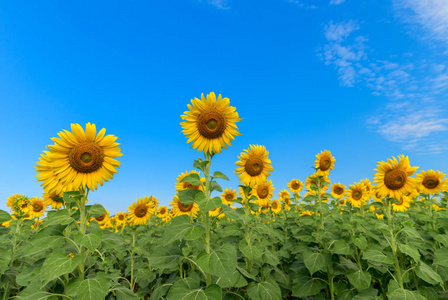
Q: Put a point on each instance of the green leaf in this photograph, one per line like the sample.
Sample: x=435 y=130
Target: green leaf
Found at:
x=360 y=280
x=442 y=238
x=214 y=186
x=58 y=264
x=426 y=273
x=200 y=164
x=441 y=257
x=188 y=196
x=49 y=237
x=181 y=228
x=5 y=258
x=411 y=232
x=192 y=178
x=341 y=247
x=188 y=289
x=360 y=242
x=123 y=293
x=91 y=240
x=270 y=258
x=314 y=261
x=221 y=263
x=252 y=251
x=264 y=291
x=397 y=293
x=376 y=255
x=4 y=216
x=58 y=217
x=38 y=296
x=411 y=251
x=206 y=205
x=28 y=275
x=231 y=213
x=96 y=210
x=305 y=286
x=246 y=189
x=237 y=281
x=93 y=288
x=218 y=174
x=165 y=257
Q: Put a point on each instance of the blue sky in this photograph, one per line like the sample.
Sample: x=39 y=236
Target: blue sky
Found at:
x=366 y=80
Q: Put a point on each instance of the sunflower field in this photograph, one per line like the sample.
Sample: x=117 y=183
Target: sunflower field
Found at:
x=385 y=239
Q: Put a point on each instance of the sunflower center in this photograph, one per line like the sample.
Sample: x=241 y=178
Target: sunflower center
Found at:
x=357 y=195
x=162 y=211
x=229 y=197
x=86 y=157
x=324 y=164
x=262 y=192
x=100 y=218
x=395 y=179
x=338 y=190
x=188 y=185
x=121 y=218
x=211 y=124
x=254 y=166
x=140 y=211
x=274 y=205
x=295 y=186
x=430 y=183
x=185 y=207
x=37 y=207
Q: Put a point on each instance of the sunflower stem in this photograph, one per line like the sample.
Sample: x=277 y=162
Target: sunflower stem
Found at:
x=208 y=158
x=83 y=227
x=132 y=260
x=393 y=243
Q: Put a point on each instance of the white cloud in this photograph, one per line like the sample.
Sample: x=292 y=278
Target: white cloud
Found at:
x=336 y=2
x=221 y=4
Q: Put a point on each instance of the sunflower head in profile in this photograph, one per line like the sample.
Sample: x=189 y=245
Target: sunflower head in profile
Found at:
x=375 y=193
x=338 y=190
x=276 y=206
x=357 y=194
x=210 y=123
x=393 y=178
x=180 y=208
x=21 y=206
x=314 y=180
x=12 y=199
x=82 y=159
x=403 y=204
x=180 y=186
x=253 y=166
x=153 y=202
x=53 y=200
x=324 y=162
x=430 y=182
x=229 y=196
x=368 y=185
x=37 y=207
x=140 y=212
x=295 y=186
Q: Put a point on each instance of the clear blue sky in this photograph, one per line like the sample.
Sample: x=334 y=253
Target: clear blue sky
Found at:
x=366 y=80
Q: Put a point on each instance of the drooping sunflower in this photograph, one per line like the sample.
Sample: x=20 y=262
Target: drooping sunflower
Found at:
x=324 y=162
x=430 y=182
x=210 y=123
x=81 y=158
x=295 y=186
x=12 y=199
x=357 y=194
x=180 y=186
x=276 y=206
x=163 y=213
x=180 y=208
x=338 y=190
x=140 y=212
x=253 y=166
x=393 y=177
x=37 y=207
x=263 y=192
x=403 y=205
x=315 y=179
x=229 y=196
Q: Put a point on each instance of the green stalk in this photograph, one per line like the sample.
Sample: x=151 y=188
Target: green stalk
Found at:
x=83 y=228
x=393 y=244
x=132 y=260
x=208 y=157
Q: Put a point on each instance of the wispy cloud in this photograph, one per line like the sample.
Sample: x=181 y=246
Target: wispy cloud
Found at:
x=336 y=2
x=415 y=89
x=221 y=4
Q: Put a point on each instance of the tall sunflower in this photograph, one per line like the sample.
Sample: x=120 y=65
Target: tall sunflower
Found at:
x=315 y=179
x=210 y=123
x=180 y=186
x=81 y=158
x=295 y=185
x=140 y=212
x=180 y=208
x=37 y=207
x=338 y=190
x=357 y=194
x=263 y=192
x=253 y=166
x=393 y=177
x=229 y=196
x=430 y=182
x=324 y=162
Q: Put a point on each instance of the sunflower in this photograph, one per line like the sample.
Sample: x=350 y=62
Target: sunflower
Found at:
x=37 y=207
x=324 y=162
x=51 y=200
x=368 y=185
x=37 y=223
x=430 y=182
x=306 y=213
x=210 y=123
x=163 y=213
x=22 y=206
x=295 y=185
x=314 y=179
x=376 y=195
x=140 y=212
x=263 y=192
x=229 y=196
x=120 y=218
x=357 y=194
x=393 y=177
x=81 y=158
x=338 y=190
x=180 y=208
x=284 y=196
x=153 y=202
x=12 y=199
x=103 y=220
x=342 y=202
x=403 y=205
x=180 y=186
x=215 y=212
x=253 y=166
x=276 y=206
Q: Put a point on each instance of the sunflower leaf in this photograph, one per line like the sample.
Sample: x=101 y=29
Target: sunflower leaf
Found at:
x=200 y=164
x=96 y=210
x=181 y=228
x=360 y=279
x=207 y=205
x=426 y=273
x=90 y=240
x=59 y=217
x=220 y=175
x=4 y=216
x=264 y=290
x=93 y=288
x=188 y=196
x=58 y=264
x=214 y=186
x=193 y=178
x=246 y=189
x=305 y=286
x=163 y=258
x=221 y=263
x=441 y=257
